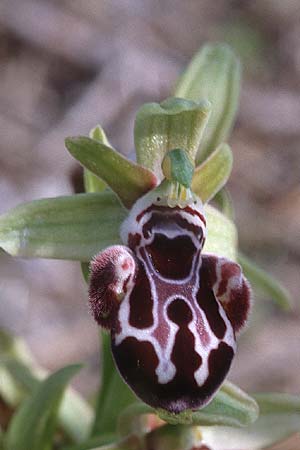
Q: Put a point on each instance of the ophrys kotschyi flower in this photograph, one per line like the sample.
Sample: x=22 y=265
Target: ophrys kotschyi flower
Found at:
x=173 y=312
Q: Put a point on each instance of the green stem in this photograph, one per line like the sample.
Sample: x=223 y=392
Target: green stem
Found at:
x=114 y=395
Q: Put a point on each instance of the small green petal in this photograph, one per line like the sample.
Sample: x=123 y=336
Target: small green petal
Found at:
x=213 y=173
x=213 y=74
x=265 y=283
x=231 y=406
x=221 y=234
x=279 y=418
x=174 y=123
x=72 y=227
x=98 y=134
x=127 y=179
x=92 y=183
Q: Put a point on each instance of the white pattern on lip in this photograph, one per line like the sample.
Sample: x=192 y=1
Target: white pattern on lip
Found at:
x=172 y=340
x=170 y=289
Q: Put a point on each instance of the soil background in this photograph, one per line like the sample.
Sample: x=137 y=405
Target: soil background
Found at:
x=70 y=64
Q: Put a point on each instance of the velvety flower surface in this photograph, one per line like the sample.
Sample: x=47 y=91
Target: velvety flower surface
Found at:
x=173 y=312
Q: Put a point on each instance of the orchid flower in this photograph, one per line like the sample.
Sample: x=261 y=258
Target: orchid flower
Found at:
x=165 y=278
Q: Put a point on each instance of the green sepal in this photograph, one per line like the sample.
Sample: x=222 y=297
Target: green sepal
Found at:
x=33 y=425
x=73 y=227
x=160 y=127
x=279 y=418
x=221 y=234
x=213 y=173
x=265 y=283
x=231 y=406
x=178 y=167
x=126 y=178
x=213 y=74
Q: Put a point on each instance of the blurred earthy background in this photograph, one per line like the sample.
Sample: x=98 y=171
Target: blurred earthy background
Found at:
x=70 y=64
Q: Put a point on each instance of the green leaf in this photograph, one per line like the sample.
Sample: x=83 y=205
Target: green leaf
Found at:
x=221 y=234
x=10 y=392
x=73 y=405
x=174 y=123
x=231 y=406
x=126 y=178
x=265 y=283
x=279 y=418
x=20 y=374
x=177 y=167
x=14 y=349
x=72 y=227
x=33 y=426
x=114 y=395
x=213 y=173
x=213 y=74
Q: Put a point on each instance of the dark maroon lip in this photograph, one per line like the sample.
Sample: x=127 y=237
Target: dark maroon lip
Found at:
x=174 y=337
